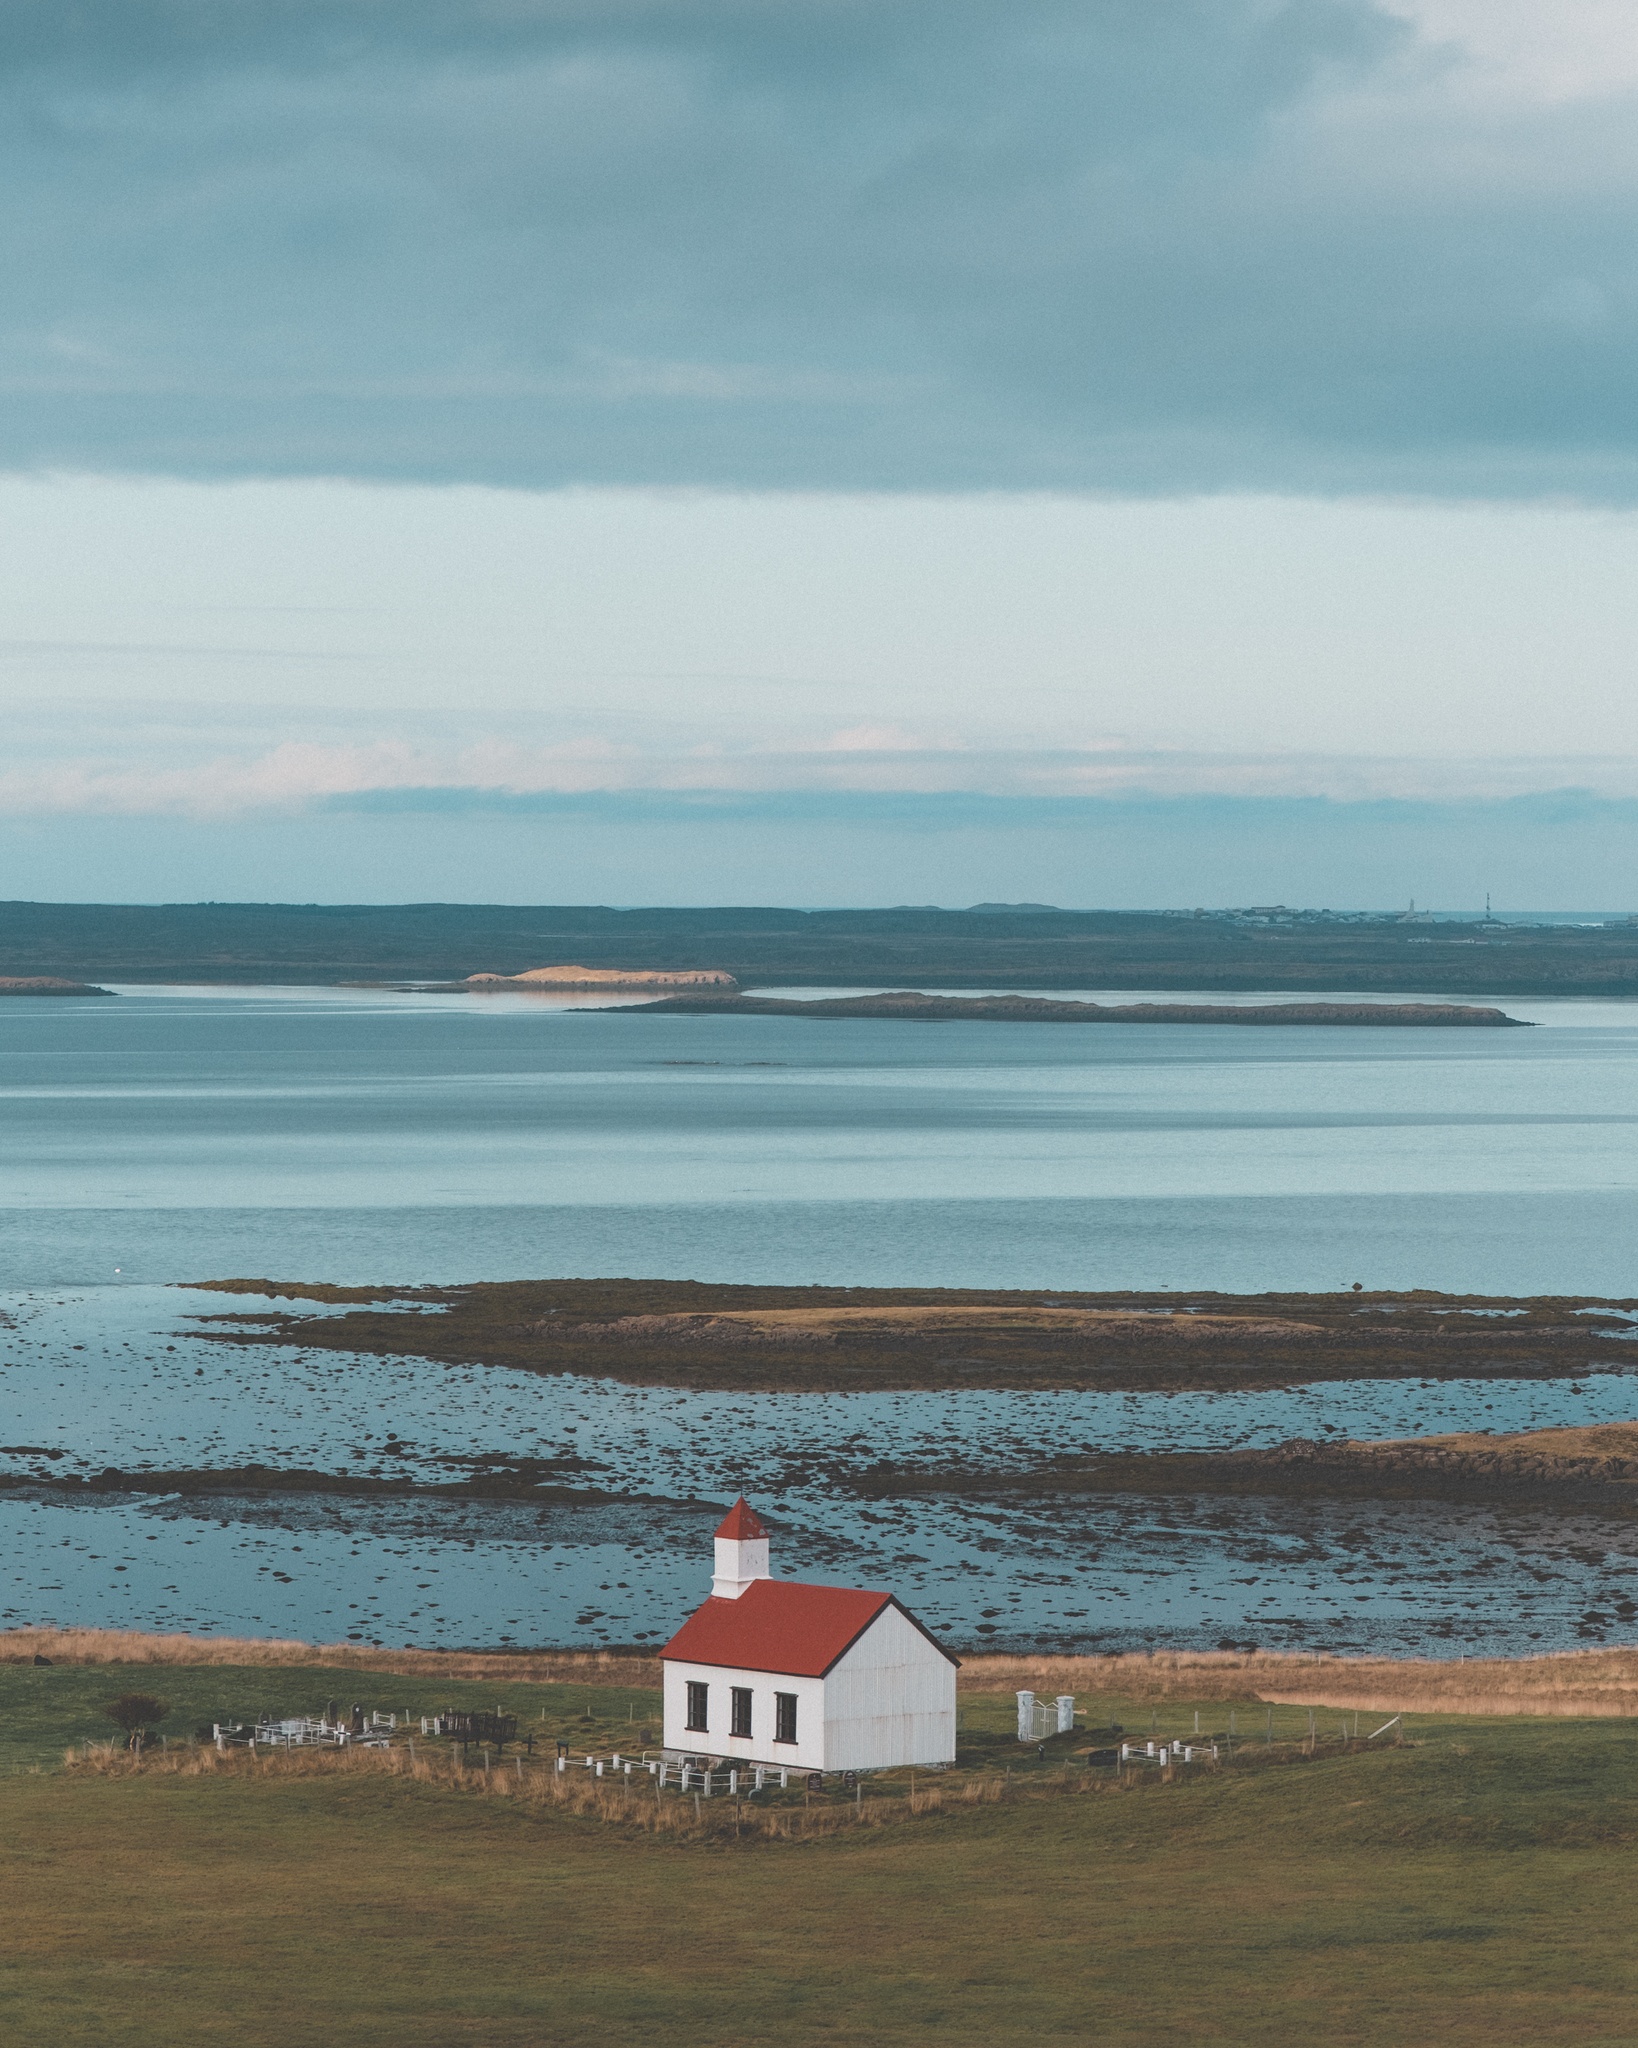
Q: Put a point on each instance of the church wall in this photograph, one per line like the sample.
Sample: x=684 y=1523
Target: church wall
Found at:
x=807 y=1753
x=891 y=1700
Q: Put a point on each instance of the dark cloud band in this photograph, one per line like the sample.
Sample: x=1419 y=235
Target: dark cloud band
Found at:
x=1106 y=244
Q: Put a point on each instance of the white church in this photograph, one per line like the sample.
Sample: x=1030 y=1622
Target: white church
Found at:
x=820 y=1678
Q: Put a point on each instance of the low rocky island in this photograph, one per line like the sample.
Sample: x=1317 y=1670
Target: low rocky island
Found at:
x=914 y=1006
x=47 y=985
x=817 y=1339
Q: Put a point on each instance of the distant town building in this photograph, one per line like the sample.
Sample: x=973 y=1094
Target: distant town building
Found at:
x=820 y=1678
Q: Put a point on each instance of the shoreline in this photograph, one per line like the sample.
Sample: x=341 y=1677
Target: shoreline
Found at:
x=1597 y=1683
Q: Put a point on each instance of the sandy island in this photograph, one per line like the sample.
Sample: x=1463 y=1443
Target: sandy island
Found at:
x=604 y=977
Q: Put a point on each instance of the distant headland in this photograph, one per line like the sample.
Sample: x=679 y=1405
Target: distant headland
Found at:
x=1200 y=955
x=915 y=1007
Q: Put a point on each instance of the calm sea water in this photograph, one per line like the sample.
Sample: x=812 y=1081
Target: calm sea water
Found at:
x=191 y=1134
x=179 y=1134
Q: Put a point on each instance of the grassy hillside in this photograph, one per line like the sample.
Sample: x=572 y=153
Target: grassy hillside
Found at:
x=1470 y=1887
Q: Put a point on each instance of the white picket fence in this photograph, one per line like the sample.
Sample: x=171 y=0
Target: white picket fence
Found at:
x=683 y=1775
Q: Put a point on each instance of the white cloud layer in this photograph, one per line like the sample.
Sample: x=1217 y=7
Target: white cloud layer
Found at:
x=216 y=652
x=1542 y=52
x=298 y=775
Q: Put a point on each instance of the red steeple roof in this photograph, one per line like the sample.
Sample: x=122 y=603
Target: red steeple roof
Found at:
x=740 y=1524
x=779 y=1625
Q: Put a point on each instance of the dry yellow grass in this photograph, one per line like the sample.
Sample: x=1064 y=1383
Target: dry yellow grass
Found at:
x=918 y=1318
x=1600 y=1443
x=1571 y=1682
x=132 y=1646
x=1601 y=1683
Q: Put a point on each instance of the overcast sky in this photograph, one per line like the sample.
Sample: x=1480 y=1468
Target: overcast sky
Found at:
x=1140 y=451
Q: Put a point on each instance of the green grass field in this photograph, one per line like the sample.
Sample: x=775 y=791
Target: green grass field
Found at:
x=1474 y=1886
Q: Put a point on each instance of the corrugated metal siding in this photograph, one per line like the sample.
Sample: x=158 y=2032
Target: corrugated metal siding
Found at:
x=891 y=1700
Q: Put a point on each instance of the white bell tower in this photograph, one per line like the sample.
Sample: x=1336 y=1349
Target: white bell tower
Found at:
x=741 y=1552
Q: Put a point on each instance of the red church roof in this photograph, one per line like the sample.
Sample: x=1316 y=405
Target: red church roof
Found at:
x=740 y=1524
x=779 y=1625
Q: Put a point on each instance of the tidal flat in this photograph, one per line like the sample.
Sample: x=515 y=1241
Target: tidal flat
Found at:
x=158 y=1477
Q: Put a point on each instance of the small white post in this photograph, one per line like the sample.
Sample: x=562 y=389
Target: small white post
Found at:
x=1026 y=1717
x=733 y=1782
x=1066 y=1713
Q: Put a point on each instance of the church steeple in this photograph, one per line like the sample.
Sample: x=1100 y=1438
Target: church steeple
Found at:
x=741 y=1552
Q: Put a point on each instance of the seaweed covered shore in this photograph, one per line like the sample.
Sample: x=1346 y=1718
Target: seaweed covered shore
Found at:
x=1575 y=1468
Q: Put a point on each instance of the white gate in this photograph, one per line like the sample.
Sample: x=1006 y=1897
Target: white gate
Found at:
x=1037 y=1720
